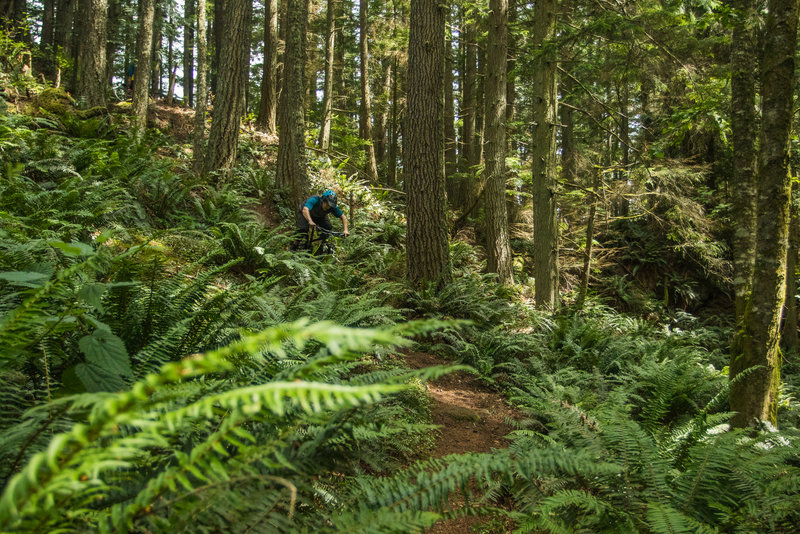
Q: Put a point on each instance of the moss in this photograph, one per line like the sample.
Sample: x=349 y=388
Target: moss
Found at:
x=55 y=101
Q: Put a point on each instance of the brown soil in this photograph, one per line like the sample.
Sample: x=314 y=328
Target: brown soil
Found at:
x=472 y=417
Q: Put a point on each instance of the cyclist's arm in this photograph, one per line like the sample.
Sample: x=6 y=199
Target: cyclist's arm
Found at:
x=307 y=216
x=344 y=225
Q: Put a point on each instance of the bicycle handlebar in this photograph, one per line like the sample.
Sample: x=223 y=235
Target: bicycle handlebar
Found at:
x=328 y=232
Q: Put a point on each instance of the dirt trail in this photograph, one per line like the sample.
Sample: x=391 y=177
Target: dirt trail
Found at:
x=472 y=419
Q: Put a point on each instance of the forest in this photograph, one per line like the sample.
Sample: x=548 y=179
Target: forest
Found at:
x=559 y=294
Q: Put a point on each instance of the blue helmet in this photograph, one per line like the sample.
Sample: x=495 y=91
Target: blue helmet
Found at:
x=329 y=196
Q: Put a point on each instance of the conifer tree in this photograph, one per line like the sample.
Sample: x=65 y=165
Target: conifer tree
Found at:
x=428 y=254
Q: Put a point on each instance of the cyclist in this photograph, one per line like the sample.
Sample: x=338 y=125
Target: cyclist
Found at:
x=314 y=212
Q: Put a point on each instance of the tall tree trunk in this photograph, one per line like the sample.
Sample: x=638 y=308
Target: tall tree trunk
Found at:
x=267 y=106
x=91 y=71
x=113 y=42
x=480 y=116
x=188 y=52
x=744 y=132
x=370 y=164
x=469 y=102
x=497 y=240
x=223 y=138
x=46 y=63
x=428 y=253
x=201 y=100
x=155 y=60
x=755 y=397
x=141 y=81
x=393 y=129
x=218 y=35
x=587 y=255
x=789 y=338
x=450 y=155
x=545 y=113
x=382 y=120
x=327 y=94
x=65 y=10
x=291 y=165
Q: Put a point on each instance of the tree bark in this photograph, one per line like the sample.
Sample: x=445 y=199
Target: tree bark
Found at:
x=428 y=253
x=223 y=138
x=744 y=131
x=188 y=52
x=327 y=93
x=545 y=113
x=201 y=100
x=91 y=71
x=291 y=171
x=46 y=63
x=65 y=10
x=587 y=255
x=267 y=106
x=365 y=122
x=155 y=60
x=450 y=154
x=141 y=81
x=497 y=239
x=755 y=397
x=789 y=338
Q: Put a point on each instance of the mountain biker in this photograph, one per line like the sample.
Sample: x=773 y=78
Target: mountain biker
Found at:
x=314 y=212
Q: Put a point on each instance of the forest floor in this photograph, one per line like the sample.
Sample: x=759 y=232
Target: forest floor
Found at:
x=473 y=418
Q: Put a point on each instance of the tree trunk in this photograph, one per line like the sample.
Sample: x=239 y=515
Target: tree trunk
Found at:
x=155 y=60
x=370 y=164
x=744 y=132
x=755 y=397
x=468 y=102
x=141 y=81
x=587 y=255
x=113 y=42
x=223 y=138
x=327 y=97
x=267 y=106
x=201 y=100
x=91 y=71
x=393 y=128
x=428 y=253
x=379 y=135
x=450 y=155
x=291 y=171
x=543 y=152
x=188 y=52
x=497 y=240
x=46 y=63
x=64 y=16
x=789 y=338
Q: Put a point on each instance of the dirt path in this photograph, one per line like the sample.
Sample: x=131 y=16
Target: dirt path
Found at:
x=472 y=419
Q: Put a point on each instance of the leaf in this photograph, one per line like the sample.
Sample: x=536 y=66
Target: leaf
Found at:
x=92 y=295
x=96 y=378
x=74 y=249
x=24 y=278
x=106 y=351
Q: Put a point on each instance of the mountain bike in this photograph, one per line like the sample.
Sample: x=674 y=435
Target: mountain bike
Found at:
x=320 y=243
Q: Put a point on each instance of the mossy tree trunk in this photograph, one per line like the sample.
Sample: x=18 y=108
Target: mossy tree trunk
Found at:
x=744 y=133
x=223 y=137
x=188 y=51
x=291 y=171
x=141 y=82
x=365 y=117
x=755 y=397
x=201 y=98
x=91 y=70
x=327 y=92
x=543 y=154
x=497 y=240
x=427 y=251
